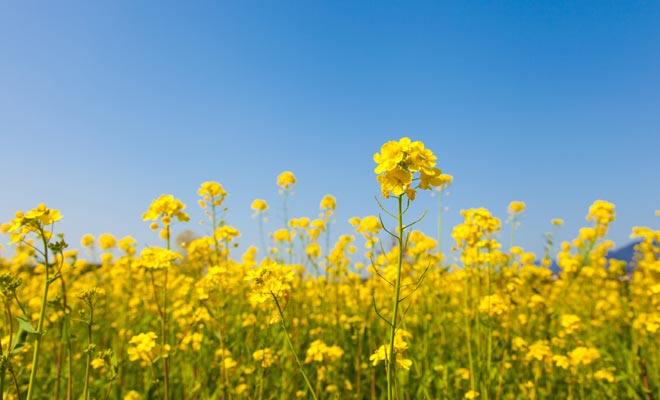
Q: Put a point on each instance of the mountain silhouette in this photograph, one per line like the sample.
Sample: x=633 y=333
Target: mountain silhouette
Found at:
x=625 y=253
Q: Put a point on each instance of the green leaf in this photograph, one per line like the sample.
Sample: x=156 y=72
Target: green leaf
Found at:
x=25 y=325
x=19 y=341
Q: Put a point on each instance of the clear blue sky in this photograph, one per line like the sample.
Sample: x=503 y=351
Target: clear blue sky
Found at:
x=106 y=105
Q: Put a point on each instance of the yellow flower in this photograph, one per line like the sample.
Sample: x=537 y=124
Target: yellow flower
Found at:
x=399 y=161
x=571 y=323
x=561 y=361
x=328 y=203
x=265 y=356
x=87 y=240
x=143 y=346
x=270 y=279
x=132 y=395
x=583 y=355
x=539 y=350
x=557 y=222
x=282 y=235
x=34 y=221
x=226 y=233
x=319 y=351
x=286 y=180
x=604 y=375
x=167 y=207
x=463 y=373
x=153 y=258
x=107 y=241
x=471 y=395
x=493 y=305
x=400 y=345
x=516 y=207
x=97 y=363
x=127 y=245
x=259 y=205
x=313 y=250
x=212 y=192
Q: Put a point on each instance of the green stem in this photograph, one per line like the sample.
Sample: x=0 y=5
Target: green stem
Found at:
x=40 y=324
x=468 y=327
x=391 y=358
x=2 y=378
x=163 y=319
x=89 y=352
x=293 y=350
x=166 y=359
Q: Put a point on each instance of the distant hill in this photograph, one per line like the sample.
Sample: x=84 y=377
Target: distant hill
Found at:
x=625 y=253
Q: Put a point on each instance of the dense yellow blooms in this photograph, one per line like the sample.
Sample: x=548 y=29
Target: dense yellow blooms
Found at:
x=155 y=258
x=486 y=322
x=265 y=357
x=320 y=352
x=269 y=280
x=142 y=348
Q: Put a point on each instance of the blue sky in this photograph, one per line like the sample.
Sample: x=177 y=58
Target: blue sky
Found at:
x=105 y=106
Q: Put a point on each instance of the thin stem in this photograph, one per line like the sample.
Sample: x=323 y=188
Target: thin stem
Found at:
x=89 y=352
x=166 y=358
x=40 y=324
x=391 y=358
x=293 y=350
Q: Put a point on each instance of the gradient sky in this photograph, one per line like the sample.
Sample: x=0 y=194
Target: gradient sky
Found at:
x=106 y=105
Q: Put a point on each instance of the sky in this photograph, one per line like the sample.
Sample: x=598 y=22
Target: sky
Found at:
x=104 y=106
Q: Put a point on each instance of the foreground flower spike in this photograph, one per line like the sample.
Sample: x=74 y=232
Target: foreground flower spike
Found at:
x=35 y=221
x=399 y=165
x=398 y=162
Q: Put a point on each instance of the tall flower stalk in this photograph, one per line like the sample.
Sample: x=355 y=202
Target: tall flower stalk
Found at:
x=166 y=208
x=403 y=167
x=39 y=221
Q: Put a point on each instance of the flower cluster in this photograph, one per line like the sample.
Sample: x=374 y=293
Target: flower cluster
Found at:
x=400 y=345
x=155 y=258
x=165 y=208
x=269 y=280
x=286 y=180
x=33 y=221
x=319 y=351
x=211 y=192
x=397 y=164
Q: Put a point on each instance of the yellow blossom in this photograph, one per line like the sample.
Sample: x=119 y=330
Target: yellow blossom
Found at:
x=107 y=241
x=87 y=240
x=516 y=207
x=286 y=180
x=328 y=203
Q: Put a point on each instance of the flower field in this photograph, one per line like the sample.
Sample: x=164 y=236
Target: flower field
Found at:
x=379 y=314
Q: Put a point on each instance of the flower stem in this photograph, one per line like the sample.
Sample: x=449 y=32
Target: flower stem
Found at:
x=40 y=324
x=293 y=350
x=391 y=358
